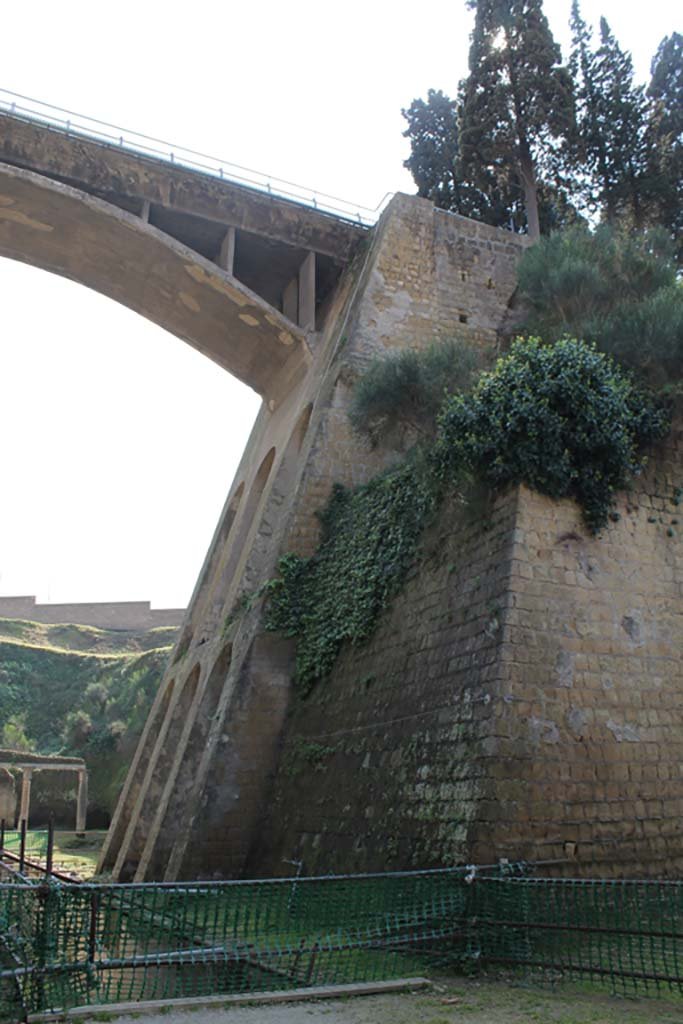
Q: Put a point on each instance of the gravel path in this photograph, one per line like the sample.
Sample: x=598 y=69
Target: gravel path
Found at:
x=461 y=1002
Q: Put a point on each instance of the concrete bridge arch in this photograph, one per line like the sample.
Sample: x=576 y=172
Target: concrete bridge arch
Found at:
x=57 y=228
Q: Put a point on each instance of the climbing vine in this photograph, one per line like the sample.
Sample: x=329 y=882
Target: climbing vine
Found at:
x=369 y=540
x=564 y=419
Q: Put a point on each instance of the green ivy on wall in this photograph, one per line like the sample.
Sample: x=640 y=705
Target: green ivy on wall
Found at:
x=370 y=536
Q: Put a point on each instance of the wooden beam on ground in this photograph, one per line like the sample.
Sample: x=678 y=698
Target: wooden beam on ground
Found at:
x=296 y=995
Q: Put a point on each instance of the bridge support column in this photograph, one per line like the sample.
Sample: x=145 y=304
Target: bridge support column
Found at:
x=290 y=300
x=226 y=256
x=307 y=293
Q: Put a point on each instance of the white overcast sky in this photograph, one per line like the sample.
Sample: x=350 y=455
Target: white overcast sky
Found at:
x=119 y=442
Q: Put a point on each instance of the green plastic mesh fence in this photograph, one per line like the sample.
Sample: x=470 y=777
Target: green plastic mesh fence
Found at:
x=629 y=933
x=35 y=847
x=73 y=945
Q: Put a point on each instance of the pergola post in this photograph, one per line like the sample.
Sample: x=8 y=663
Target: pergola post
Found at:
x=82 y=800
x=24 y=806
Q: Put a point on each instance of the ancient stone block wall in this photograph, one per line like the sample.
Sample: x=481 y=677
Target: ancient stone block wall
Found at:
x=522 y=698
x=588 y=742
x=384 y=764
x=428 y=276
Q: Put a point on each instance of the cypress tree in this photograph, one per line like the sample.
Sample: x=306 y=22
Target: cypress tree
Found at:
x=665 y=136
x=586 y=152
x=433 y=132
x=609 y=152
x=621 y=116
x=517 y=100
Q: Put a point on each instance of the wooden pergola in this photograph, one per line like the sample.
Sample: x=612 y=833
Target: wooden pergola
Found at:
x=27 y=764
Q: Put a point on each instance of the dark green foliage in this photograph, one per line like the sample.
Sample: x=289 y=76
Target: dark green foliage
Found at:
x=433 y=162
x=76 y=704
x=405 y=391
x=608 y=286
x=666 y=85
x=626 y=156
x=563 y=419
x=517 y=104
x=525 y=138
x=619 y=131
x=433 y=133
x=370 y=537
x=665 y=136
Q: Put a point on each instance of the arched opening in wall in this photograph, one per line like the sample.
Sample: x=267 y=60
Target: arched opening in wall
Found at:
x=140 y=758
x=261 y=553
x=185 y=794
x=236 y=551
x=216 y=557
x=129 y=432
x=165 y=753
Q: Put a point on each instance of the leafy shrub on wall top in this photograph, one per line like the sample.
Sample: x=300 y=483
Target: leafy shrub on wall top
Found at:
x=403 y=392
x=564 y=419
x=608 y=286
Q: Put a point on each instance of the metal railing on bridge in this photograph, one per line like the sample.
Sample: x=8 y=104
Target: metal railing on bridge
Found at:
x=68 y=122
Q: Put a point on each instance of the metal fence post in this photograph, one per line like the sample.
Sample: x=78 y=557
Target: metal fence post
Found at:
x=22 y=845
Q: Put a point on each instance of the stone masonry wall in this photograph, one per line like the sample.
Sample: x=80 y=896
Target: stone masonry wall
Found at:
x=429 y=276
x=522 y=698
x=587 y=751
x=383 y=764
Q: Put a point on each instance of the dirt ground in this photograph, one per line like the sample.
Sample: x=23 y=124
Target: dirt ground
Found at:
x=447 y=1002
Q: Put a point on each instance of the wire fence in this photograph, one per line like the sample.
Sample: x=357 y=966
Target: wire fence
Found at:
x=35 y=846
x=70 y=123
x=80 y=945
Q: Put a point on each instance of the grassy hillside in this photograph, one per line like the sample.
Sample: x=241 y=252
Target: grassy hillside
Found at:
x=79 y=691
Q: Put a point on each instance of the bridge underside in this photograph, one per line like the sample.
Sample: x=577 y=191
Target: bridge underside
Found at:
x=242 y=276
x=56 y=228
x=287 y=254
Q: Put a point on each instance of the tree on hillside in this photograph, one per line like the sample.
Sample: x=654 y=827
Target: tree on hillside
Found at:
x=517 y=100
x=433 y=133
x=665 y=136
x=434 y=161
